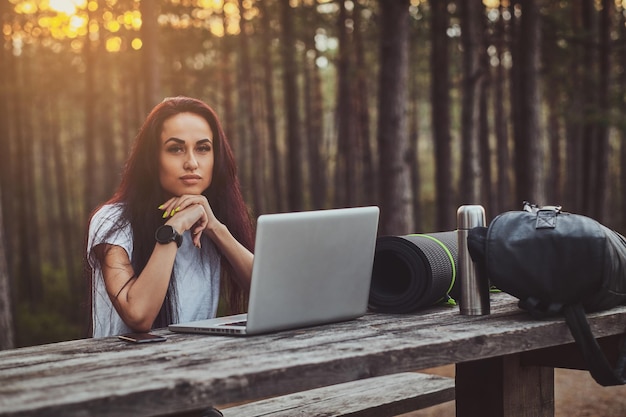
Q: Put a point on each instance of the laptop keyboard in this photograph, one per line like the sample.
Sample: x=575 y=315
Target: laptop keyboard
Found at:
x=235 y=323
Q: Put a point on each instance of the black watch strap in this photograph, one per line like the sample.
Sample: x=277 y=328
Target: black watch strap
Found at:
x=167 y=234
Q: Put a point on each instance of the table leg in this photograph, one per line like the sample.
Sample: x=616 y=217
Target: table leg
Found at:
x=502 y=387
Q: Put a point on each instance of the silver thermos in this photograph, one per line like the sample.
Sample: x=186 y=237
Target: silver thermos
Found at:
x=474 y=288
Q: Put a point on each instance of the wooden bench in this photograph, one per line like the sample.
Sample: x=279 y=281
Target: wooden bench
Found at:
x=382 y=396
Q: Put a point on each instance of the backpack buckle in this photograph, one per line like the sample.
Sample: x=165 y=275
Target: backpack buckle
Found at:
x=546 y=217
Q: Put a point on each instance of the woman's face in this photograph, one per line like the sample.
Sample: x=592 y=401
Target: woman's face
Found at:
x=186 y=156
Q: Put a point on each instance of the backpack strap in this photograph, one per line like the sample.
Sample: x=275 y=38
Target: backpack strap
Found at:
x=596 y=361
x=538 y=309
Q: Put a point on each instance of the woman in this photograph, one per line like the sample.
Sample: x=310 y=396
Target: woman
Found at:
x=175 y=231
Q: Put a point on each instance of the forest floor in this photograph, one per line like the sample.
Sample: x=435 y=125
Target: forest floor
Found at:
x=576 y=394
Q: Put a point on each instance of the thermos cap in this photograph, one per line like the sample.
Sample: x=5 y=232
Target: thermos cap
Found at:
x=470 y=216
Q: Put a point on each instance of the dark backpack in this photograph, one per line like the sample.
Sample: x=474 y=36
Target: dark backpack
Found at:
x=556 y=262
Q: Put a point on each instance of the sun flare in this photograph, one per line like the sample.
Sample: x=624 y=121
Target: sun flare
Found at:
x=68 y=7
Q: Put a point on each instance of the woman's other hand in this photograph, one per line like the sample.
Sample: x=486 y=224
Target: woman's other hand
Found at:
x=188 y=212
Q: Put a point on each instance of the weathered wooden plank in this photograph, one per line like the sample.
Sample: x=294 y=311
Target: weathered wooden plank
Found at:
x=384 y=396
x=109 y=377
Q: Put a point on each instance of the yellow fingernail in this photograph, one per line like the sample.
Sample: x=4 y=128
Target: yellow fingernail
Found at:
x=161 y=207
x=173 y=212
x=166 y=214
x=178 y=208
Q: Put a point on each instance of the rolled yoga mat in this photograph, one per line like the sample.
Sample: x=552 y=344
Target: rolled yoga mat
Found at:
x=413 y=271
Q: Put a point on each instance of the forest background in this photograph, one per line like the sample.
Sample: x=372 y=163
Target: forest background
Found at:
x=415 y=106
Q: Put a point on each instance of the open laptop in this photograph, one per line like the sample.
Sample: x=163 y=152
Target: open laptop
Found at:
x=309 y=268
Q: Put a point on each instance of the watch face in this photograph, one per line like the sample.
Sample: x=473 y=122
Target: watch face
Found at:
x=167 y=234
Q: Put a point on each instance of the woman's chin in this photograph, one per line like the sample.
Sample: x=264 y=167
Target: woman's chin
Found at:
x=178 y=193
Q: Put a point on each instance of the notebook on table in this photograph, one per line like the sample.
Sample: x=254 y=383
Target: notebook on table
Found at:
x=310 y=268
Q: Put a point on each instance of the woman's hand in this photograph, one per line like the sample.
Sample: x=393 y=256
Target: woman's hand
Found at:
x=189 y=212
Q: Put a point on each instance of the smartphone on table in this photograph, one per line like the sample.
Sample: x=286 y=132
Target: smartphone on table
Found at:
x=141 y=337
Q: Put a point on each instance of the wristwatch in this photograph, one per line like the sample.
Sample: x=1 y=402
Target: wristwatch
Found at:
x=166 y=234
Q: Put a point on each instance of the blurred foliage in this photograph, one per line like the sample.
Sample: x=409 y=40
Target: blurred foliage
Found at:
x=55 y=318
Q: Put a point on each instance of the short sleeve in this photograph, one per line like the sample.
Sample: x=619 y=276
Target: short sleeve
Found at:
x=109 y=226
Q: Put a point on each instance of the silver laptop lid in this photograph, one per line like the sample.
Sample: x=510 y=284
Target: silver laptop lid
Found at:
x=311 y=267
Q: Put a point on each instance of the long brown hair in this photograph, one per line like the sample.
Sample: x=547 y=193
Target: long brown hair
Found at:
x=141 y=193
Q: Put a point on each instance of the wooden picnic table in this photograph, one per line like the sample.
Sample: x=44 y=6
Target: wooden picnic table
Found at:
x=504 y=364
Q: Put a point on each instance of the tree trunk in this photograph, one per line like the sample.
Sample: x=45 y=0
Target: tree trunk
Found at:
x=106 y=146
x=528 y=151
x=575 y=122
x=600 y=209
x=257 y=156
x=554 y=171
x=589 y=158
x=345 y=167
x=51 y=251
x=72 y=245
x=473 y=78
x=243 y=135
x=7 y=341
x=515 y=92
x=503 y=157
x=150 y=53
x=91 y=109
x=440 y=98
x=622 y=106
x=313 y=115
x=29 y=271
x=7 y=126
x=229 y=119
x=277 y=171
x=369 y=178
x=484 y=150
x=290 y=89
x=395 y=191
x=414 y=132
